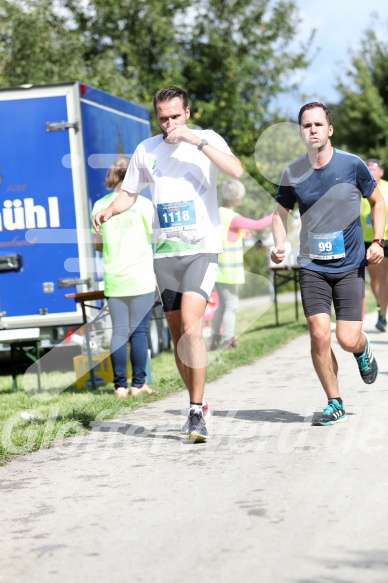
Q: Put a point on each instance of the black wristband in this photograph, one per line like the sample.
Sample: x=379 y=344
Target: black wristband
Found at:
x=202 y=144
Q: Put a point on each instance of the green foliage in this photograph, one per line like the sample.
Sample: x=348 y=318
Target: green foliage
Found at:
x=361 y=117
x=278 y=145
x=36 y=46
x=136 y=40
x=233 y=56
x=237 y=57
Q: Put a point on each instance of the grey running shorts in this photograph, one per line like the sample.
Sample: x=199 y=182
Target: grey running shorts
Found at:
x=345 y=290
x=177 y=275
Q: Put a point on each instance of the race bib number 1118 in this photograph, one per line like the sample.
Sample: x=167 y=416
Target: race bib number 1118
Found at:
x=176 y=214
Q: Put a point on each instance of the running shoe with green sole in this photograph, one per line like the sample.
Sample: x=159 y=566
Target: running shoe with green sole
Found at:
x=334 y=412
x=197 y=427
x=206 y=414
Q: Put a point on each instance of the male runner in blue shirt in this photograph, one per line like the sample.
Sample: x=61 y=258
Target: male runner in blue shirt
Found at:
x=327 y=185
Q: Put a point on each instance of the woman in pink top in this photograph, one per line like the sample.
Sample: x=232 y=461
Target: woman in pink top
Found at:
x=234 y=228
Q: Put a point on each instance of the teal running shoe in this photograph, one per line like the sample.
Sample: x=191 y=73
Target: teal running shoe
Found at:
x=334 y=412
x=367 y=364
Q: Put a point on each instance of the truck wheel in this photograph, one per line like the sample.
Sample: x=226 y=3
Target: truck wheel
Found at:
x=153 y=338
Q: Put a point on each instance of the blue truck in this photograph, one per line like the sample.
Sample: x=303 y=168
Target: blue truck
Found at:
x=57 y=143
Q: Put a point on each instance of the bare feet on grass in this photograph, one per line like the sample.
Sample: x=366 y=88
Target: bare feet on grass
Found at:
x=135 y=391
x=121 y=391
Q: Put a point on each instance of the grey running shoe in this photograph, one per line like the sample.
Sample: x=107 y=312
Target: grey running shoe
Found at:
x=334 y=412
x=197 y=427
x=367 y=364
x=206 y=414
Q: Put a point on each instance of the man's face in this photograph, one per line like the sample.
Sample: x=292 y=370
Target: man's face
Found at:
x=376 y=171
x=171 y=113
x=315 y=130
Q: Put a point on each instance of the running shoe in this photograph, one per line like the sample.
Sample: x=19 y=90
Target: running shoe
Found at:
x=367 y=364
x=334 y=412
x=197 y=427
x=205 y=413
x=381 y=323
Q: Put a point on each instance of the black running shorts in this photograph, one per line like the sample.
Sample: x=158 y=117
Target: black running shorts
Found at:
x=189 y=273
x=346 y=291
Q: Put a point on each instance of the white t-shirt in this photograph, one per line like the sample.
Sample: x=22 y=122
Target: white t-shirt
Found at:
x=183 y=184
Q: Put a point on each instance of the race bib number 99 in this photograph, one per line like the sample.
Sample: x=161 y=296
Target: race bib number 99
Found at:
x=326 y=246
x=176 y=214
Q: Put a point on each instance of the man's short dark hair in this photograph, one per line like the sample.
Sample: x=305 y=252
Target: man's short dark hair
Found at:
x=313 y=105
x=168 y=93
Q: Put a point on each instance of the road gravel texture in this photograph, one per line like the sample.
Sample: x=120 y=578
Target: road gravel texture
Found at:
x=268 y=499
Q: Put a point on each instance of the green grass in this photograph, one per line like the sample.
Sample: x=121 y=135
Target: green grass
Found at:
x=71 y=412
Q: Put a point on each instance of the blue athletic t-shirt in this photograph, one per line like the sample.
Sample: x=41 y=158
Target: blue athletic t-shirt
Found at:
x=331 y=238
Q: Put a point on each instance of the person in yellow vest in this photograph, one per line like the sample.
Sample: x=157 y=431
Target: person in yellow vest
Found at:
x=129 y=281
x=378 y=272
x=230 y=274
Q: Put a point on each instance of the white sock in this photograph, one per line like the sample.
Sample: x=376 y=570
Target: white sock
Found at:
x=195 y=407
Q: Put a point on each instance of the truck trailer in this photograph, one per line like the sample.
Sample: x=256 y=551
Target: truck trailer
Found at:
x=57 y=143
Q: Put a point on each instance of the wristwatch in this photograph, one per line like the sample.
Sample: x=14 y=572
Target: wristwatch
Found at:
x=380 y=242
x=202 y=144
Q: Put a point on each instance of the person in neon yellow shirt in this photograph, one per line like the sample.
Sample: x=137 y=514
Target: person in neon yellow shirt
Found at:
x=129 y=281
x=230 y=274
x=379 y=272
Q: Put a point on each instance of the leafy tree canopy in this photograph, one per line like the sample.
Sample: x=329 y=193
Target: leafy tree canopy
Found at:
x=232 y=56
x=361 y=116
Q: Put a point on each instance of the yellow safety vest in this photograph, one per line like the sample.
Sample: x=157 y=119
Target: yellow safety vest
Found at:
x=230 y=262
x=365 y=218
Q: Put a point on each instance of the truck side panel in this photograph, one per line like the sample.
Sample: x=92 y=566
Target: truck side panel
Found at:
x=36 y=193
x=58 y=141
x=111 y=126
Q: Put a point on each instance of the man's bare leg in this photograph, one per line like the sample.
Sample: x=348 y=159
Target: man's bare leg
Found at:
x=350 y=336
x=189 y=346
x=352 y=339
x=326 y=367
x=322 y=355
x=382 y=274
x=174 y=320
x=191 y=359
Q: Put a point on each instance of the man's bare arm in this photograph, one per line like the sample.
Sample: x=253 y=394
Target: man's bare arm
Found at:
x=121 y=203
x=226 y=163
x=375 y=253
x=279 y=231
